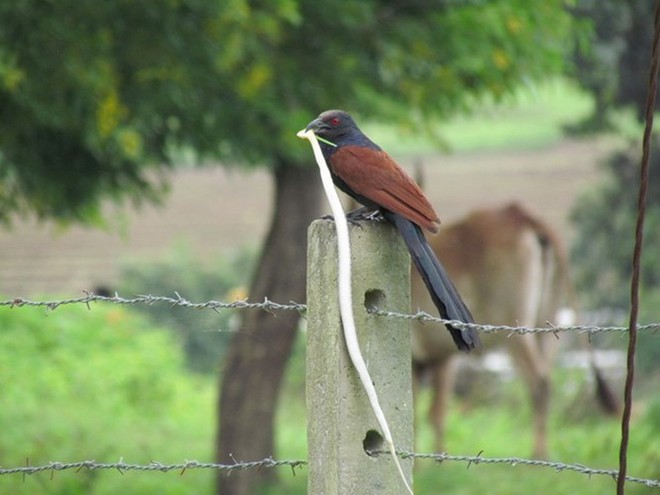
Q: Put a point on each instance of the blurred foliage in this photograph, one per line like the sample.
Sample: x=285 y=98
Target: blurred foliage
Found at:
x=204 y=334
x=615 y=69
x=101 y=384
x=96 y=97
x=612 y=63
x=131 y=398
x=605 y=218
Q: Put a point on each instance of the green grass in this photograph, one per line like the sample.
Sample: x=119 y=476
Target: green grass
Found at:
x=100 y=384
x=501 y=427
x=501 y=432
x=593 y=445
x=535 y=116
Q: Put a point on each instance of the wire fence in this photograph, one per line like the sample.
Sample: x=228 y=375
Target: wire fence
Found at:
x=123 y=467
x=270 y=306
x=182 y=467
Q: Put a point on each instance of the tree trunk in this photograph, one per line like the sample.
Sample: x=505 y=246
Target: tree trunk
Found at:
x=260 y=349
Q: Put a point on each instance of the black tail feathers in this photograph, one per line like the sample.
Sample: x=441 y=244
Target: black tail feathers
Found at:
x=443 y=293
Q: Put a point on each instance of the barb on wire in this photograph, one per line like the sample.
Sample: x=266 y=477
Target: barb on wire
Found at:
x=424 y=317
x=122 y=466
x=269 y=462
x=149 y=299
x=268 y=305
x=514 y=461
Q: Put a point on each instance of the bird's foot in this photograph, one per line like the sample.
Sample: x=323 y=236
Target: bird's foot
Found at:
x=358 y=215
x=350 y=220
x=365 y=213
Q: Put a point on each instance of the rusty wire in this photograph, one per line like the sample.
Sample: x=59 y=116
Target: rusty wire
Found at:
x=637 y=256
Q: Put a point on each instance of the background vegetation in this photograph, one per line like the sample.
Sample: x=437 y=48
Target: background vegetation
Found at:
x=100 y=383
x=97 y=101
x=204 y=336
x=133 y=398
x=615 y=71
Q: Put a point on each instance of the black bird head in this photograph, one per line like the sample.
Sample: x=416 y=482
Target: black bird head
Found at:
x=333 y=124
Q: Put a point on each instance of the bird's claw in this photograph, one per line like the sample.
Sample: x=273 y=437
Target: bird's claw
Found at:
x=358 y=215
x=365 y=213
x=350 y=220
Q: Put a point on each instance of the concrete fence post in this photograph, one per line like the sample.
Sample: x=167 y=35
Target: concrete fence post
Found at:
x=341 y=424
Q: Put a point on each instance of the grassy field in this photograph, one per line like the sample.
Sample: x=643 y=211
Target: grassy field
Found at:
x=500 y=426
x=534 y=117
x=182 y=428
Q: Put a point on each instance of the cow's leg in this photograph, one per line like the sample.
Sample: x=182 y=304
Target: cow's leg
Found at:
x=534 y=369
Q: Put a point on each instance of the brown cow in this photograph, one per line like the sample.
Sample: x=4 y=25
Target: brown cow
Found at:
x=511 y=269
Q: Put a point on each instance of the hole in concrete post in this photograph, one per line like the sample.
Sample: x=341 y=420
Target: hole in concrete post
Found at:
x=374 y=298
x=373 y=443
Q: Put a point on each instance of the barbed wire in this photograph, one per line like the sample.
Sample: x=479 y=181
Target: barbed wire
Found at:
x=269 y=462
x=514 y=461
x=266 y=305
x=271 y=306
x=122 y=466
x=485 y=328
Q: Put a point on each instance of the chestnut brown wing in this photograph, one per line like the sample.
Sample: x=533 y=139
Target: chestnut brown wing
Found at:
x=374 y=175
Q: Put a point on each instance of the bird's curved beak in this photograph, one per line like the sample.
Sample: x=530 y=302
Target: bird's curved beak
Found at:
x=316 y=125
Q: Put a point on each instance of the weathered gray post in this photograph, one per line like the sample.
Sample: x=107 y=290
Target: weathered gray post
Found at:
x=340 y=420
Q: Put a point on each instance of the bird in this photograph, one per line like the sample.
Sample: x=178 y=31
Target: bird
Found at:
x=364 y=171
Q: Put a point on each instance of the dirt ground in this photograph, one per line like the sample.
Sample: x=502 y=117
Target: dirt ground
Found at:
x=213 y=210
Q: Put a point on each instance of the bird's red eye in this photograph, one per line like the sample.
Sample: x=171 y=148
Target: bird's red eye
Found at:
x=335 y=121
